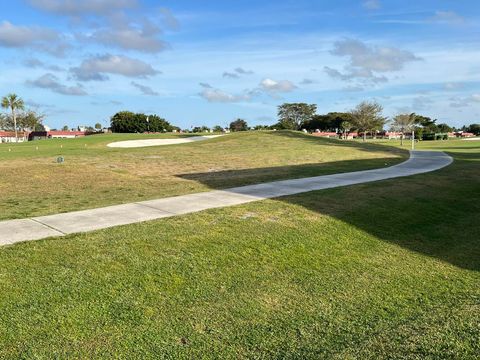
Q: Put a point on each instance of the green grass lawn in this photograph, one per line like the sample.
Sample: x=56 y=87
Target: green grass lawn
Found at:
x=93 y=175
x=382 y=270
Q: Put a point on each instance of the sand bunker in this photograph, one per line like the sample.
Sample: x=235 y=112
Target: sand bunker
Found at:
x=159 y=142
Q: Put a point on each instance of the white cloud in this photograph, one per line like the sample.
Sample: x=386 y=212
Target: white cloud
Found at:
x=216 y=95
x=453 y=86
x=459 y=102
x=96 y=68
x=146 y=90
x=372 y=4
x=50 y=81
x=366 y=63
x=82 y=7
x=35 y=37
x=141 y=35
x=35 y=63
x=280 y=86
x=421 y=103
x=447 y=17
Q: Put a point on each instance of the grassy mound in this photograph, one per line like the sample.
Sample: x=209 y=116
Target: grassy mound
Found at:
x=382 y=270
x=93 y=175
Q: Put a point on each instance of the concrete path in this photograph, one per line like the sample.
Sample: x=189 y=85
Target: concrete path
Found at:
x=159 y=142
x=13 y=231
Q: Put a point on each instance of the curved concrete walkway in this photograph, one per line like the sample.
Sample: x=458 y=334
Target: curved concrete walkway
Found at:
x=159 y=142
x=13 y=231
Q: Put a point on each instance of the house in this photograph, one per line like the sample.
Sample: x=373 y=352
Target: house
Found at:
x=9 y=136
x=392 y=135
x=465 y=134
x=325 y=134
x=350 y=135
x=56 y=134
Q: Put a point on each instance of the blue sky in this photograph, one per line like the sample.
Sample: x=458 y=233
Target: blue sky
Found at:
x=209 y=62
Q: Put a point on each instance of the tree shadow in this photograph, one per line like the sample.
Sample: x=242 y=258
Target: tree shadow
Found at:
x=367 y=146
x=232 y=178
x=434 y=214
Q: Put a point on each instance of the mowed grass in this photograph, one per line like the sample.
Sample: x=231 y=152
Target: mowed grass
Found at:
x=93 y=175
x=386 y=270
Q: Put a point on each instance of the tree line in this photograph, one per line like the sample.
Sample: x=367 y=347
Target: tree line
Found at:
x=366 y=117
x=129 y=122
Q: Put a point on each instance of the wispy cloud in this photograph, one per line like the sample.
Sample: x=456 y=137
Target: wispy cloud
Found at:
x=52 y=82
x=146 y=90
x=366 y=63
x=98 y=67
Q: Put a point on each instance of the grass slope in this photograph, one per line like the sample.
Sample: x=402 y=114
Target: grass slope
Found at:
x=93 y=175
x=382 y=270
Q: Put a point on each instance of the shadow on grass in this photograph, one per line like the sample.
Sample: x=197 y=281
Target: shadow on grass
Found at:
x=231 y=178
x=364 y=146
x=435 y=214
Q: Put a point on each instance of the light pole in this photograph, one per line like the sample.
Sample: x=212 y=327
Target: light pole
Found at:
x=413 y=138
x=148 y=123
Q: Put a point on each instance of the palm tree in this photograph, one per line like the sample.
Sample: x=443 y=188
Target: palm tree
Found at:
x=13 y=102
x=403 y=123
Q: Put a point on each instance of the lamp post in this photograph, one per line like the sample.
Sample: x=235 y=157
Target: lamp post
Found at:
x=413 y=138
x=148 y=123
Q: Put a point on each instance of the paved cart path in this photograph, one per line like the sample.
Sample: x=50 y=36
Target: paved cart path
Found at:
x=13 y=231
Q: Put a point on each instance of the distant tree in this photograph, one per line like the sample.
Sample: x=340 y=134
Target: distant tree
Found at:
x=3 y=122
x=444 y=128
x=403 y=123
x=367 y=116
x=14 y=103
x=200 y=129
x=294 y=115
x=30 y=120
x=129 y=122
x=98 y=126
x=474 y=128
x=217 y=128
x=65 y=128
x=427 y=124
x=346 y=126
x=261 y=127
x=239 y=125
x=329 y=122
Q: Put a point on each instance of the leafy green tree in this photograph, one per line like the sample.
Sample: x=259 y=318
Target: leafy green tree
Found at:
x=217 y=128
x=474 y=128
x=200 y=129
x=65 y=128
x=261 y=127
x=129 y=122
x=30 y=120
x=367 y=116
x=444 y=128
x=427 y=124
x=98 y=126
x=294 y=115
x=14 y=103
x=403 y=123
x=239 y=125
x=346 y=126
x=328 y=122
